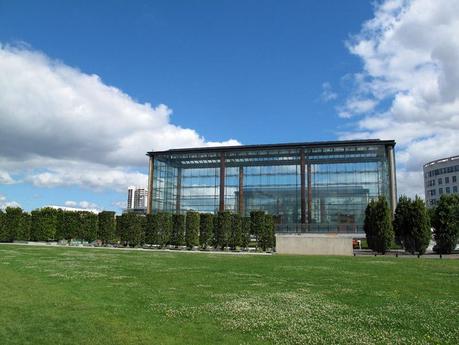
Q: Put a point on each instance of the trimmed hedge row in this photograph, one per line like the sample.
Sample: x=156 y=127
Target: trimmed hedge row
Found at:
x=48 y=224
x=224 y=230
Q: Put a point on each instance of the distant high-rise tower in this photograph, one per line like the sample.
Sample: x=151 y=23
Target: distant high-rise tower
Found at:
x=130 y=201
x=137 y=200
x=140 y=198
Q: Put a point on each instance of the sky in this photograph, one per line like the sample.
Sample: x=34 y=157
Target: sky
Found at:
x=87 y=88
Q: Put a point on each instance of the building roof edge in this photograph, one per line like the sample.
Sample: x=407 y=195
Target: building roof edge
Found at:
x=280 y=145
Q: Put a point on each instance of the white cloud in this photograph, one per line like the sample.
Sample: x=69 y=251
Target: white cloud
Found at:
x=120 y=204
x=409 y=51
x=71 y=203
x=61 y=126
x=356 y=106
x=4 y=203
x=5 y=178
x=82 y=204
x=327 y=92
x=91 y=176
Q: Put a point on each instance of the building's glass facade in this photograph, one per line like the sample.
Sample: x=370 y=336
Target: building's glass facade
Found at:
x=315 y=187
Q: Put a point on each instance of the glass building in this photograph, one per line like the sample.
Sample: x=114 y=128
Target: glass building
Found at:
x=310 y=187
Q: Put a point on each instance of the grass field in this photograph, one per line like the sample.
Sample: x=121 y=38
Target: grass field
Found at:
x=88 y=296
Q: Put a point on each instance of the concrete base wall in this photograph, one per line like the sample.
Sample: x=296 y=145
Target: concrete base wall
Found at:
x=313 y=244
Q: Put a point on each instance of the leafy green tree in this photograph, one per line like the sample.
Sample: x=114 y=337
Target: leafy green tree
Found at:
x=245 y=226
x=44 y=224
x=257 y=225
x=378 y=225
x=178 y=231
x=206 y=229
x=2 y=226
x=192 y=229
x=70 y=225
x=445 y=222
x=106 y=226
x=60 y=229
x=267 y=236
x=401 y=218
x=412 y=225
x=368 y=224
x=165 y=224
x=223 y=229
x=236 y=231
x=120 y=229
x=131 y=228
x=419 y=235
x=26 y=224
x=88 y=226
x=152 y=229
x=12 y=224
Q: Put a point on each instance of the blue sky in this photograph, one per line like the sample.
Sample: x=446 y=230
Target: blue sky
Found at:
x=251 y=71
x=207 y=60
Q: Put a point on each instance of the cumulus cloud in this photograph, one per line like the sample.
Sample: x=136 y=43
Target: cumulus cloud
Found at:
x=327 y=92
x=82 y=204
x=61 y=126
x=120 y=204
x=5 y=178
x=4 y=202
x=409 y=51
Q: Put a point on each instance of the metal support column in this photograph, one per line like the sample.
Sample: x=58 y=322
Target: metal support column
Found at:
x=392 y=178
x=241 y=191
x=221 y=206
x=303 y=187
x=309 y=193
x=150 y=185
x=178 y=191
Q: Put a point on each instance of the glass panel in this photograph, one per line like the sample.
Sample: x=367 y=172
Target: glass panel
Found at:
x=343 y=180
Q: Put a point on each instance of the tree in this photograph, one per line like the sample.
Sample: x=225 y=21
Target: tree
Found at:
x=2 y=227
x=152 y=229
x=236 y=231
x=192 y=229
x=257 y=225
x=245 y=225
x=401 y=217
x=378 y=225
x=165 y=228
x=106 y=227
x=12 y=224
x=206 y=229
x=70 y=225
x=445 y=222
x=24 y=234
x=419 y=235
x=412 y=225
x=178 y=231
x=60 y=229
x=120 y=229
x=223 y=229
x=267 y=236
x=88 y=226
x=44 y=224
x=131 y=228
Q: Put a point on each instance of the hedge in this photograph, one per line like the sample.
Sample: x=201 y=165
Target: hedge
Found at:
x=206 y=230
x=106 y=228
x=192 y=229
x=223 y=229
x=178 y=230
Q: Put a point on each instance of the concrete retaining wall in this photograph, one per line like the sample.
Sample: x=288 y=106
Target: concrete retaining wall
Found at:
x=313 y=244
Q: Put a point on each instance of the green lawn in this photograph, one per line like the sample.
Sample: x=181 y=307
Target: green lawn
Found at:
x=86 y=296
